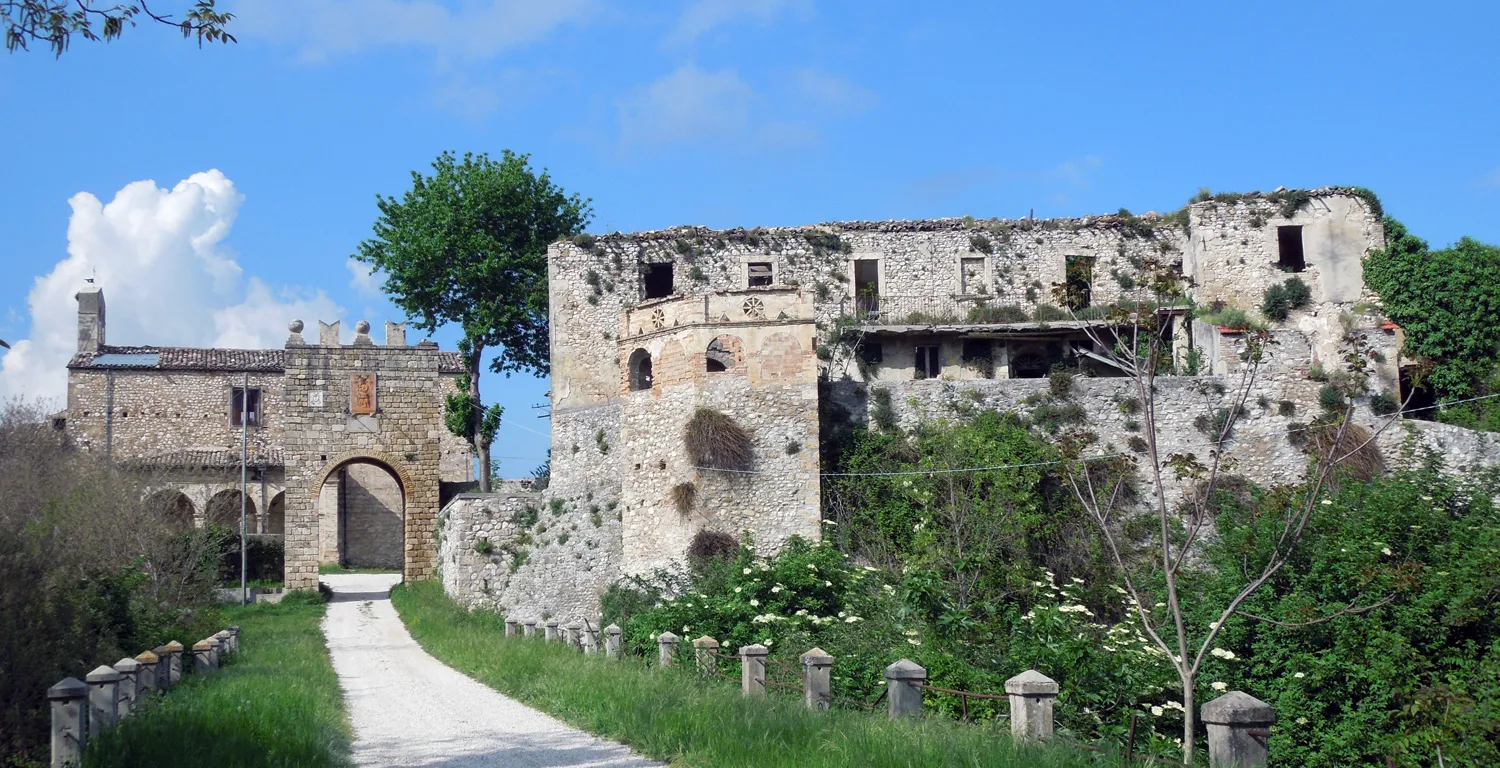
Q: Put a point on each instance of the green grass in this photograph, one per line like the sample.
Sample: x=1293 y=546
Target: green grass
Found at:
x=673 y=715
x=277 y=703
x=335 y=568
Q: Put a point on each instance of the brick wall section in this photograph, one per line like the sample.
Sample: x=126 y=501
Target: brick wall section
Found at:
x=161 y=412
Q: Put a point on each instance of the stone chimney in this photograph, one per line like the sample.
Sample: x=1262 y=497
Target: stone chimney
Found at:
x=90 y=319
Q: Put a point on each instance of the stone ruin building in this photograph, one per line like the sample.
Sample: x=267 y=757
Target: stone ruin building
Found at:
x=352 y=463
x=649 y=327
x=347 y=451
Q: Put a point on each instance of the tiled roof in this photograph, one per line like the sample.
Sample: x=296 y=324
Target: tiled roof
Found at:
x=183 y=359
x=213 y=458
x=450 y=362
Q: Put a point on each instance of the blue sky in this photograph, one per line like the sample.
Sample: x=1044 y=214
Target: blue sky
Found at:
x=714 y=112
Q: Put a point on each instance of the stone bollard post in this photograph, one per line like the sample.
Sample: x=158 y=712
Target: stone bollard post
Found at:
x=1239 y=731
x=530 y=628
x=612 y=641
x=753 y=669
x=213 y=651
x=574 y=634
x=510 y=627
x=172 y=652
x=706 y=652
x=904 y=699
x=226 y=644
x=201 y=664
x=234 y=638
x=147 y=681
x=817 y=683
x=130 y=676
x=551 y=631
x=590 y=639
x=70 y=721
x=1031 y=695
x=666 y=649
x=104 y=699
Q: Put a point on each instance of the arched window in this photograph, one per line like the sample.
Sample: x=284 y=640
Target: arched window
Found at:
x=719 y=358
x=640 y=370
x=1028 y=363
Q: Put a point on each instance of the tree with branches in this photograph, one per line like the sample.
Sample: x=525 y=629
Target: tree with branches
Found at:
x=1184 y=486
x=468 y=245
x=55 y=22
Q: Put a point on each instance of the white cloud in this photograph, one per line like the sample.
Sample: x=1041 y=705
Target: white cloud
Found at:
x=364 y=278
x=1491 y=180
x=1075 y=171
x=168 y=279
x=703 y=16
x=474 y=30
x=688 y=104
x=831 y=94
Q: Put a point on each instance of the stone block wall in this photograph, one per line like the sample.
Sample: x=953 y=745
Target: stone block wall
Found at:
x=372 y=526
x=155 y=413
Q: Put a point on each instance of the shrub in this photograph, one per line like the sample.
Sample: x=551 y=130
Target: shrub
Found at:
x=882 y=413
x=1046 y=313
x=1060 y=384
x=709 y=546
x=980 y=243
x=715 y=440
x=483 y=546
x=1004 y=313
x=684 y=495
x=1331 y=398
x=1286 y=408
x=584 y=241
x=1384 y=404
x=1280 y=299
x=1137 y=444
x=1232 y=318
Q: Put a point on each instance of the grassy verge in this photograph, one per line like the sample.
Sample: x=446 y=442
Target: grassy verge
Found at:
x=276 y=704
x=343 y=569
x=673 y=715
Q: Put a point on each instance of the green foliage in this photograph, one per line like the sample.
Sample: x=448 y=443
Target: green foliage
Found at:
x=55 y=22
x=1384 y=404
x=1046 y=313
x=882 y=412
x=483 y=546
x=1419 y=673
x=1331 y=398
x=275 y=703
x=1281 y=298
x=1446 y=301
x=1232 y=318
x=1286 y=408
x=1004 y=313
x=979 y=242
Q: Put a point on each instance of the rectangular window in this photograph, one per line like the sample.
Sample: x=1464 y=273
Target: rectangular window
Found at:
x=758 y=274
x=1080 y=280
x=1289 y=249
x=866 y=285
x=928 y=364
x=871 y=352
x=244 y=410
x=657 y=280
x=977 y=350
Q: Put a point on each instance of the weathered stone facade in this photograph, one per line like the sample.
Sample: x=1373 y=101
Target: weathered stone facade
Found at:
x=648 y=327
x=176 y=413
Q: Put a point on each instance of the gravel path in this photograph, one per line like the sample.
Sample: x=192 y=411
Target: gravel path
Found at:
x=409 y=709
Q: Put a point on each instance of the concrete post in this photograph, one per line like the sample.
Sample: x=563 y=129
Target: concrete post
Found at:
x=574 y=634
x=213 y=651
x=172 y=652
x=666 y=649
x=104 y=699
x=753 y=669
x=904 y=699
x=817 y=683
x=1239 y=730
x=530 y=628
x=201 y=663
x=706 y=651
x=590 y=639
x=552 y=635
x=1031 y=695
x=510 y=627
x=612 y=641
x=226 y=643
x=70 y=721
x=130 y=676
x=147 y=681
x=234 y=638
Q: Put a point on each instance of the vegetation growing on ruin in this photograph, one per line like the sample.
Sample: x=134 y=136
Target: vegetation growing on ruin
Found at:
x=684 y=496
x=1278 y=301
x=275 y=703
x=714 y=440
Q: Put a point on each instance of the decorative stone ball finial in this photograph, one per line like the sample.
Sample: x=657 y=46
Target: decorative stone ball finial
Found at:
x=362 y=327
x=294 y=326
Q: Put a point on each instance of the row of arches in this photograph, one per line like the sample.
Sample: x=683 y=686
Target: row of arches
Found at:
x=723 y=354
x=176 y=508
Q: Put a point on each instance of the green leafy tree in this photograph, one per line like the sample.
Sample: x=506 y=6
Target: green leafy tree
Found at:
x=468 y=245
x=55 y=22
x=1446 y=300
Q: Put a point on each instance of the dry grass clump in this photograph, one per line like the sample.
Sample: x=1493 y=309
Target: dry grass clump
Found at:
x=710 y=546
x=683 y=496
x=1359 y=457
x=716 y=441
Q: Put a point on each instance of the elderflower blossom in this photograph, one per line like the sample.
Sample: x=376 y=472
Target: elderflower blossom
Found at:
x=852 y=619
x=1326 y=502
x=1385 y=551
x=737 y=590
x=913 y=641
x=1219 y=685
x=754 y=603
x=1298 y=675
x=1222 y=653
x=776 y=589
x=1177 y=705
x=1158 y=711
x=746 y=571
x=1301 y=721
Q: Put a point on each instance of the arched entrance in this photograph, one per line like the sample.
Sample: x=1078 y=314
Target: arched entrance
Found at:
x=223 y=508
x=276 y=514
x=362 y=515
x=172 y=507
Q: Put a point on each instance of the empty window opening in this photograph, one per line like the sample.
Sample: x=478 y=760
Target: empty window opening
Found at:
x=867 y=285
x=657 y=280
x=1290 y=257
x=640 y=370
x=759 y=274
x=928 y=364
x=1028 y=364
x=976 y=350
x=871 y=353
x=244 y=411
x=718 y=357
x=1080 y=279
